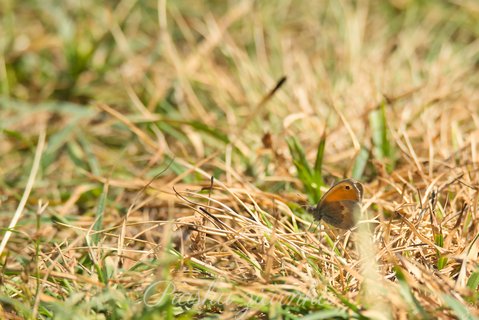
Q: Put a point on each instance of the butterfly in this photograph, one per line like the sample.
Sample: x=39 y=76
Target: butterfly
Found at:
x=340 y=205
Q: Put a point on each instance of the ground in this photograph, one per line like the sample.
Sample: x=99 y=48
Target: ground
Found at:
x=158 y=159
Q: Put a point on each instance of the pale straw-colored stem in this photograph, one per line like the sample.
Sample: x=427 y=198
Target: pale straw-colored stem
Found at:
x=26 y=193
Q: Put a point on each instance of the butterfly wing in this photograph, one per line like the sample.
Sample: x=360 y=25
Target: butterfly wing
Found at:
x=341 y=214
x=347 y=189
x=340 y=206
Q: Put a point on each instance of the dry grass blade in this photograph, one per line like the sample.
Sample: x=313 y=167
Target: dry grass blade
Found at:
x=28 y=188
x=176 y=168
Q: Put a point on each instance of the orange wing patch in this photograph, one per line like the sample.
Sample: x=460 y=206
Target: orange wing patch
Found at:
x=342 y=191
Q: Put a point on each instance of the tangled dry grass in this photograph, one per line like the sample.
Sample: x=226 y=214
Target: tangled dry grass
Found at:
x=148 y=169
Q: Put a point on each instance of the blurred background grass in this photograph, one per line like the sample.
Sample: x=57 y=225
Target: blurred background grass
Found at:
x=125 y=89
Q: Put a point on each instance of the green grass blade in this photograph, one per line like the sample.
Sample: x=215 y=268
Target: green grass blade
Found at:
x=97 y=227
x=473 y=281
x=458 y=308
x=360 y=163
x=327 y=314
x=408 y=295
x=382 y=146
x=311 y=178
x=214 y=132
x=299 y=156
x=318 y=163
x=20 y=307
x=90 y=156
x=55 y=143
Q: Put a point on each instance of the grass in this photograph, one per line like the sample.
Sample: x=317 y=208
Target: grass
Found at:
x=156 y=163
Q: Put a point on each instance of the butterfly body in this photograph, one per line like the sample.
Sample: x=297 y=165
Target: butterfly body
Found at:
x=340 y=205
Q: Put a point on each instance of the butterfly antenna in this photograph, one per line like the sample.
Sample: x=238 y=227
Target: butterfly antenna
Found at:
x=317 y=226
x=309 y=209
x=312 y=222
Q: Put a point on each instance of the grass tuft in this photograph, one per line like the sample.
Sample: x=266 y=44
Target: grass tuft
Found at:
x=310 y=176
x=154 y=159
